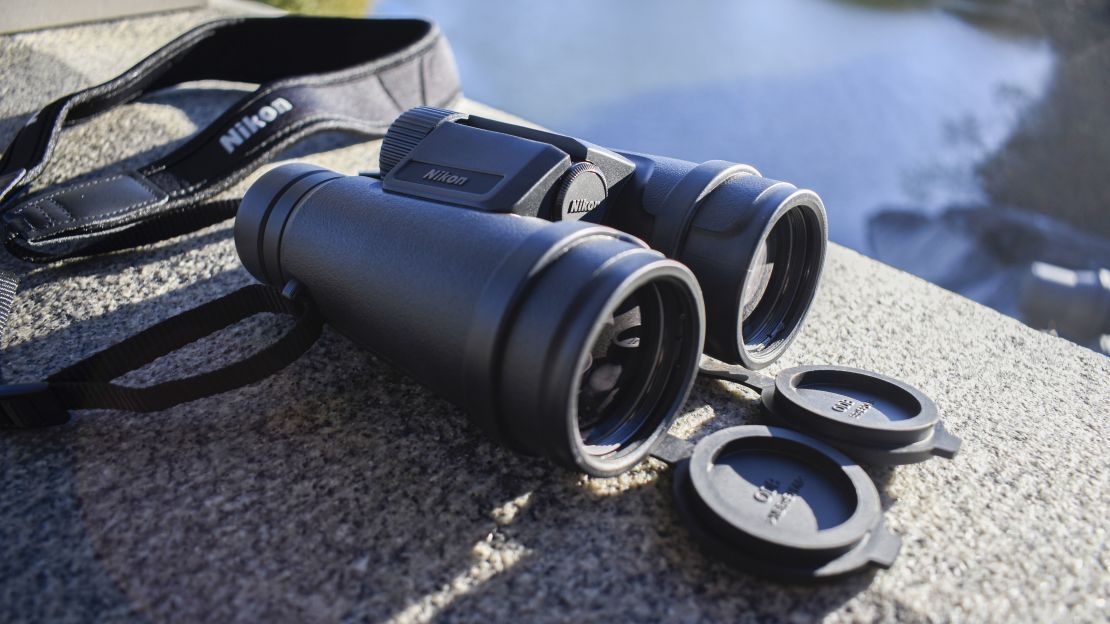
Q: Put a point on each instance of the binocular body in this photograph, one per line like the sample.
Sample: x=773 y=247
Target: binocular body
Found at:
x=552 y=288
x=756 y=245
x=569 y=340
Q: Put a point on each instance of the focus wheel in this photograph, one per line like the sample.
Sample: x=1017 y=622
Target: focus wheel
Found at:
x=408 y=130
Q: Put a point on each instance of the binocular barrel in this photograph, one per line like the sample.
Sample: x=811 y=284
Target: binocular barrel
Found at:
x=756 y=245
x=569 y=340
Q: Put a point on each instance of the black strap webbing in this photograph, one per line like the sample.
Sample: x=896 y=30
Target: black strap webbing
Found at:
x=88 y=383
x=315 y=74
x=9 y=285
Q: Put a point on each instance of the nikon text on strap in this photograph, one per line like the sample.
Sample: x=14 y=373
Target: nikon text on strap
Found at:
x=315 y=74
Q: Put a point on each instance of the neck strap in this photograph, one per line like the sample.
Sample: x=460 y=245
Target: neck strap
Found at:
x=315 y=74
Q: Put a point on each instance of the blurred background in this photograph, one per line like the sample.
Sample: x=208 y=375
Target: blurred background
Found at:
x=964 y=141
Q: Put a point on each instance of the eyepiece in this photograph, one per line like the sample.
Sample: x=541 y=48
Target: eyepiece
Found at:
x=781 y=279
x=614 y=363
x=756 y=245
x=633 y=375
x=615 y=372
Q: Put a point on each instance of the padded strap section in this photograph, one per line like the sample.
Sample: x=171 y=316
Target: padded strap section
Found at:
x=86 y=203
x=316 y=74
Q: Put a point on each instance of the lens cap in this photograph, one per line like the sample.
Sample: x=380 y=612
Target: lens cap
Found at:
x=872 y=417
x=781 y=504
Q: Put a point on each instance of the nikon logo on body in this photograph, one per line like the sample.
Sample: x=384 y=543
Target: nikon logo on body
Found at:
x=582 y=205
x=250 y=124
x=445 y=177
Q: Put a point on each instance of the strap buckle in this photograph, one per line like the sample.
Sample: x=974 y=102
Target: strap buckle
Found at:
x=28 y=405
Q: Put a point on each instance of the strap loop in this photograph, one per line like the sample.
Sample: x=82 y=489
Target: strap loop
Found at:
x=87 y=384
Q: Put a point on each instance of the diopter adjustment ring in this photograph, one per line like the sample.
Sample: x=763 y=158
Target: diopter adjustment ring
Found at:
x=408 y=130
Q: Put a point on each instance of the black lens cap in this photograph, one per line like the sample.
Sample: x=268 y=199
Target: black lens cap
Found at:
x=872 y=417
x=781 y=504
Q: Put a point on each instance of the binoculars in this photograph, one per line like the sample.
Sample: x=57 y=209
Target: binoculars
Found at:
x=560 y=292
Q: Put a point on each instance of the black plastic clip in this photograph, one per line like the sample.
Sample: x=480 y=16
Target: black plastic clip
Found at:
x=736 y=374
x=28 y=405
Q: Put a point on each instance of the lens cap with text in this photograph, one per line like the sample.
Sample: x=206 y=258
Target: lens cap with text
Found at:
x=783 y=505
x=871 y=417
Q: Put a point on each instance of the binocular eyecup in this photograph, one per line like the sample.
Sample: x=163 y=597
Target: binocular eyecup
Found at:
x=756 y=245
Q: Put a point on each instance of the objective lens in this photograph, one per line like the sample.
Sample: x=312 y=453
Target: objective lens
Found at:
x=780 y=283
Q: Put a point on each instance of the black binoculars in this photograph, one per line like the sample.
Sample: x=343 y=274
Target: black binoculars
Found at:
x=561 y=292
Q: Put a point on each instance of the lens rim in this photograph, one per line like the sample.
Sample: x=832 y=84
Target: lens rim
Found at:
x=804 y=249
x=559 y=311
x=669 y=381
x=613 y=427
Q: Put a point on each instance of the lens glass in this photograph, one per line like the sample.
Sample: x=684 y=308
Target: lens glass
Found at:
x=780 y=283
x=759 y=277
x=616 y=381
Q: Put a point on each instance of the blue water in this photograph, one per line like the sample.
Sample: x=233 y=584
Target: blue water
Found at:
x=886 y=110
x=868 y=107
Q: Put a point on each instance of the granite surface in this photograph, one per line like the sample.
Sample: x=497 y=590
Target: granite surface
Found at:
x=339 y=490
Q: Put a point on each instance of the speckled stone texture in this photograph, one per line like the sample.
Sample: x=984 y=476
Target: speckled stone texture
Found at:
x=340 y=491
